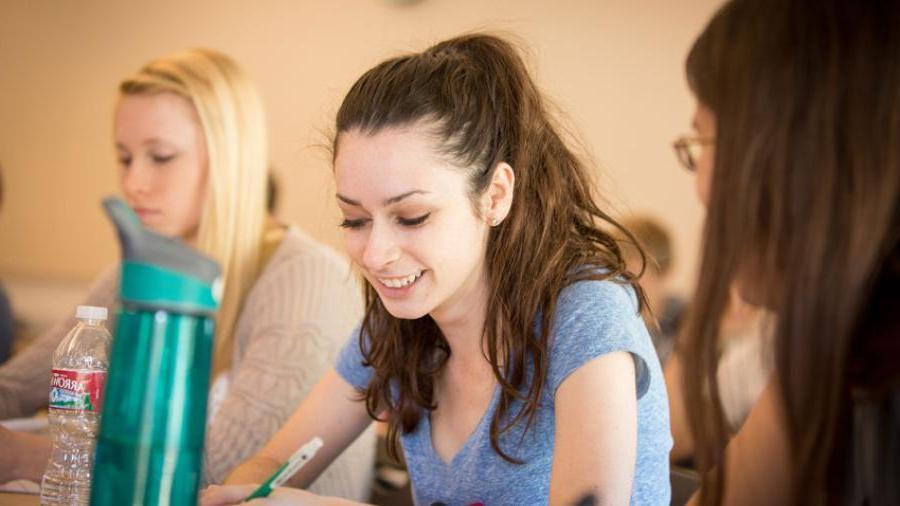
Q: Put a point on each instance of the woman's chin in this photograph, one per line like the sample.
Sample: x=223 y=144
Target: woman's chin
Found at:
x=404 y=312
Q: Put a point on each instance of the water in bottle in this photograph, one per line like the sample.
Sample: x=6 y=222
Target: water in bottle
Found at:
x=76 y=392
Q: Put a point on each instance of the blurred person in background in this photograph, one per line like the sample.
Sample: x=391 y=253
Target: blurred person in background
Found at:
x=190 y=137
x=745 y=363
x=7 y=325
x=273 y=193
x=796 y=149
x=665 y=310
x=744 y=369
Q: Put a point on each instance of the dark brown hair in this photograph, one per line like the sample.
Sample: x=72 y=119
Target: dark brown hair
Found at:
x=474 y=94
x=804 y=200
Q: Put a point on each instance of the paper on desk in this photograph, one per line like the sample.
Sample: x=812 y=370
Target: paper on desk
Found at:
x=21 y=487
x=30 y=424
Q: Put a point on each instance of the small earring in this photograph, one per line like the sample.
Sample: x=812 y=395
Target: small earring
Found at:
x=495 y=222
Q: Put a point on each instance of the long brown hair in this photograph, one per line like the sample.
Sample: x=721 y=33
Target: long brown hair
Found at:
x=804 y=200
x=475 y=94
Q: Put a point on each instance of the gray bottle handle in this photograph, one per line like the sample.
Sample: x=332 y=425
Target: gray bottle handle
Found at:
x=142 y=245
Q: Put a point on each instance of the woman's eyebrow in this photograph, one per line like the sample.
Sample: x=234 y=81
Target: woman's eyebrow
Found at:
x=386 y=202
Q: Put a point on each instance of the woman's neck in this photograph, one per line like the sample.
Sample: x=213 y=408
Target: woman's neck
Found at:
x=462 y=321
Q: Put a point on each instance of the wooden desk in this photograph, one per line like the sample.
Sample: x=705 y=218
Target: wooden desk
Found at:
x=13 y=499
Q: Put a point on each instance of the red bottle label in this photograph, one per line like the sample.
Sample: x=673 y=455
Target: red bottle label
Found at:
x=78 y=390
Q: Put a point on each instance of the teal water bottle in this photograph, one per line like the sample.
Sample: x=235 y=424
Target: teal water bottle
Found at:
x=150 y=446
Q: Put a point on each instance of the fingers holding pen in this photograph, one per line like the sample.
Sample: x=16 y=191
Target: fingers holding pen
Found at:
x=221 y=495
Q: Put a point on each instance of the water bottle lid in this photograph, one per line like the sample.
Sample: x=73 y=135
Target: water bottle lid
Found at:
x=160 y=272
x=90 y=313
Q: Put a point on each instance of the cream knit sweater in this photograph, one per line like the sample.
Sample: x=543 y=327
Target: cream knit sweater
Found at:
x=293 y=322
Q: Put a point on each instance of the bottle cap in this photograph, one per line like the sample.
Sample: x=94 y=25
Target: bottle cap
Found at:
x=90 y=313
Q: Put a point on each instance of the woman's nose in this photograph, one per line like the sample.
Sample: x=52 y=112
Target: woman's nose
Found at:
x=136 y=179
x=381 y=248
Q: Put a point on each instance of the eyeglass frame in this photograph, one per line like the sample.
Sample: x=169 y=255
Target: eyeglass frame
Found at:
x=682 y=147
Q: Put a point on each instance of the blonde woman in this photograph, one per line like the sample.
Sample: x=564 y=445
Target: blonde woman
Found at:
x=190 y=137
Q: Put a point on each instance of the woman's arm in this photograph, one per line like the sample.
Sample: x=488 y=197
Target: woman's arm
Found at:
x=23 y=456
x=25 y=387
x=682 y=437
x=758 y=457
x=331 y=412
x=298 y=314
x=234 y=494
x=596 y=432
x=25 y=378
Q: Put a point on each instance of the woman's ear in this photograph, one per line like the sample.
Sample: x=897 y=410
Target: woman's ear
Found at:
x=499 y=194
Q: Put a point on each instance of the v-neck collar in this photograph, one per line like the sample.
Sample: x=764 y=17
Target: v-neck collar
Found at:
x=472 y=440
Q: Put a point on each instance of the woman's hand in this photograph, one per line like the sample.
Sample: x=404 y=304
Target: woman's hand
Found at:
x=7 y=458
x=221 y=495
x=24 y=455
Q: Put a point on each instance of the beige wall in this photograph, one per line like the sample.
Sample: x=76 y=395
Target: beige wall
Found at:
x=615 y=67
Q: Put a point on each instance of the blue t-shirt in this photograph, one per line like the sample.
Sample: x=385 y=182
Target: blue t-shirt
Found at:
x=593 y=318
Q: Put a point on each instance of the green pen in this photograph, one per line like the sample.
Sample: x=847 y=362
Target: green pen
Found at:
x=284 y=473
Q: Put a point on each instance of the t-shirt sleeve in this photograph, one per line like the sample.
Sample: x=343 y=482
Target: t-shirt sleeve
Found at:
x=594 y=318
x=350 y=363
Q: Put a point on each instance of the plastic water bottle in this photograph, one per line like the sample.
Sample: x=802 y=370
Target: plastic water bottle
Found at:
x=76 y=393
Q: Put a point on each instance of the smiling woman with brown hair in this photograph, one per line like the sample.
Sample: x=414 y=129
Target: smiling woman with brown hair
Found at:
x=502 y=339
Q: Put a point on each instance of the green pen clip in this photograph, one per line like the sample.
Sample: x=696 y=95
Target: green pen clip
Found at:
x=287 y=470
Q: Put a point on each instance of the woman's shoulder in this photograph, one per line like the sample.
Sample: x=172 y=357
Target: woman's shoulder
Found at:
x=302 y=271
x=597 y=313
x=594 y=317
x=299 y=250
x=104 y=288
x=601 y=297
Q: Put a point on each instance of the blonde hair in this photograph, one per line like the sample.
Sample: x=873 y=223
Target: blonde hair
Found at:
x=234 y=213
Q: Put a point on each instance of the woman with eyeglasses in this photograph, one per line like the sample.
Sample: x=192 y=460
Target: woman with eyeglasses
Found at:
x=798 y=159
x=744 y=364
